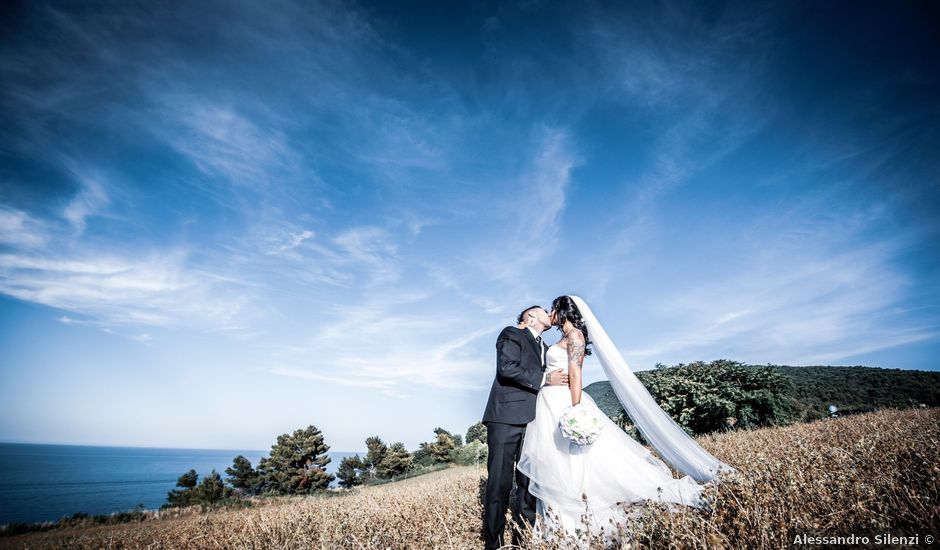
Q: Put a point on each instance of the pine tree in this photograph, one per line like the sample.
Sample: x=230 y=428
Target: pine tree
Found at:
x=297 y=463
x=441 y=448
x=396 y=462
x=183 y=497
x=211 y=489
x=349 y=471
x=188 y=480
x=422 y=456
x=376 y=452
x=242 y=476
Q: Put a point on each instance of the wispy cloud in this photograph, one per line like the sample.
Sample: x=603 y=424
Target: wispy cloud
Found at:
x=369 y=248
x=813 y=292
x=52 y=261
x=814 y=280
x=19 y=229
x=688 y=79
x=379 y=342
x=290 y=241
x=528 y=213
x=89 y=201
x=386 y=361
x=403 y=141
x=227 y=145
x=152 y=290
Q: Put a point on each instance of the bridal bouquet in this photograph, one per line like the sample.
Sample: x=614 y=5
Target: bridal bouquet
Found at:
x=580 y=425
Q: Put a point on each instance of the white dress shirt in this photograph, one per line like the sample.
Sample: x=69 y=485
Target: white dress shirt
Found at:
x=541 y=353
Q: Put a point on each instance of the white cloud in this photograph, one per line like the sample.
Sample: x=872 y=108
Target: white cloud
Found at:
x=366 y=255
x=89 y=201
x=823 y=296
x=19 y=229
x=143 y=337
x=403 y=140
x=544 y=197
x=391 y=342
x=158 y=289
x=674 y=71
x=531 y=206
x=361 y=257
x=291 y=241
x=225 y=144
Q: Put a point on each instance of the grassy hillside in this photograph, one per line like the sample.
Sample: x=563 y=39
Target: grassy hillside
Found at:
x=813 y=389
x=853 y=388
x=866 y=474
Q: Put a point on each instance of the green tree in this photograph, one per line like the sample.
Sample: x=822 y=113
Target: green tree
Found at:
x=297 y=463
x=242 y=476
x=184 y=496
x=706 y=397
x=445 y=443
x=477 y=432
x=349 y=471
x=188 y=480
x=211 y=489
x=470 y=454
x=422 y=456
x=376 y=450
x=397 y=461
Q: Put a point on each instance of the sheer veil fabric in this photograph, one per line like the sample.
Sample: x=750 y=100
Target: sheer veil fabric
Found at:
x=657 y=427
x=583 y=491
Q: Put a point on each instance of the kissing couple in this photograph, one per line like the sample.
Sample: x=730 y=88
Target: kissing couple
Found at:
x=575 y=470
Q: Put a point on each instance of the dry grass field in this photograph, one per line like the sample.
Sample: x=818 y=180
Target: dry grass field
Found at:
x=868 y=474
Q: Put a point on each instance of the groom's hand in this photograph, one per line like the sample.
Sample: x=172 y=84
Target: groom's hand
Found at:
x=557 y=378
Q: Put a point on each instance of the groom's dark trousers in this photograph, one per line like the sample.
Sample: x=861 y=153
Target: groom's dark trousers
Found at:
x=505 y=443
x=511 y=405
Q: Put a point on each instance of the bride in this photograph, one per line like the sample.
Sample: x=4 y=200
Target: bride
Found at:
x=579 y=488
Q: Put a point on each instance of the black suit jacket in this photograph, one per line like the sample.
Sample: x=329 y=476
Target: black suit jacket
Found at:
x=519 y=372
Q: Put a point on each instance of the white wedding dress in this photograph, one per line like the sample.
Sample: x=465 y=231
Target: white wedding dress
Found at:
x=614 y=471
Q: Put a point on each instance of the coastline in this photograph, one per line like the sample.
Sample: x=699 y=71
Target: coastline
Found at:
x=52 y=483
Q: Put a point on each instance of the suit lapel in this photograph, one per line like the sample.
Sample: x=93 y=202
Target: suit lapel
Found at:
x=533 y=344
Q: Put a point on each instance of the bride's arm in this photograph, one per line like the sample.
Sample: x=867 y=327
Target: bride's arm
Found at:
x=575 y=360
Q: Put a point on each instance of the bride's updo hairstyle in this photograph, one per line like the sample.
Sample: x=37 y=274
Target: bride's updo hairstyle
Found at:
x=567 y=310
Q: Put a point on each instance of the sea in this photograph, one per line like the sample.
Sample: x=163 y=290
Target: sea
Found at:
x=41 y=482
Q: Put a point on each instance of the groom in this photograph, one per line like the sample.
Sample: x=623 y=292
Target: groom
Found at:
x=520 y=373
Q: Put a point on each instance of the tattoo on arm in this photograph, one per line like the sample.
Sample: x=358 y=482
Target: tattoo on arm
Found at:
x=576 y=349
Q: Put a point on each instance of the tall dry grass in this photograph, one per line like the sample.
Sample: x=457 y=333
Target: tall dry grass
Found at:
x=865 y=474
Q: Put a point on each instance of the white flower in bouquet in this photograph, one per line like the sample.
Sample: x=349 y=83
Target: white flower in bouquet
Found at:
x=580 y=425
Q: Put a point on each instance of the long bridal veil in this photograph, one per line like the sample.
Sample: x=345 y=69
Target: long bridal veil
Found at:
x=657 y=427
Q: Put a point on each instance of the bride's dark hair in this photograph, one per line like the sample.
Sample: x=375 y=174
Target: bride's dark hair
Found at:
x=567 y=310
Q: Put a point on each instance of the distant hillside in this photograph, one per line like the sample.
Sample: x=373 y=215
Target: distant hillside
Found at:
x=813 y=389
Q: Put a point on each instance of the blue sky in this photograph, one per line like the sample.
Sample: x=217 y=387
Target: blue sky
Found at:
x=224 y=221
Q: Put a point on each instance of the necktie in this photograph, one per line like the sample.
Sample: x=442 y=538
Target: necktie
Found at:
x=538 y=340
